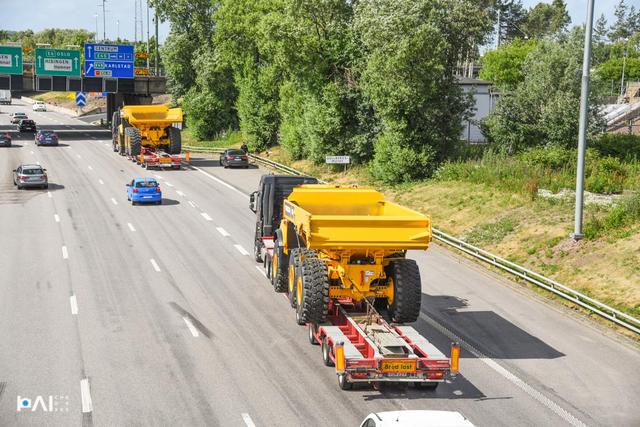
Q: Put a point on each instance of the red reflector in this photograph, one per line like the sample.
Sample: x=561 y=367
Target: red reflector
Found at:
x=245 y=158
x=229 y=157
x=435 y=375
x=135 y=190
x=158 y=190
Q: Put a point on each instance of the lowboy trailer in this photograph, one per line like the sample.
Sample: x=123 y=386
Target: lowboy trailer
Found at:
x=336 y=253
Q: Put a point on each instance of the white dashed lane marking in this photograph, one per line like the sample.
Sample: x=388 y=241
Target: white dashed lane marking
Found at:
x=56 y=217
x=101 y=182
x=65 y=253
x=247 y=420
x=74 y=304
x=115 y=202
x=131 y=227
x=223 y=231
x=155 y=265
x=192 y=328
x=180 y=193
x=241 y=249
x=206 y=216
x=85 y=392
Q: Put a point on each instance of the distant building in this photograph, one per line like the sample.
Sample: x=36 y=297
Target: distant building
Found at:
x=485 y=101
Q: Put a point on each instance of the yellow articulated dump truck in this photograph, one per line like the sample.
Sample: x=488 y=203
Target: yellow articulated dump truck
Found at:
x=345 y=244
x=147 y=131
x=340 y=254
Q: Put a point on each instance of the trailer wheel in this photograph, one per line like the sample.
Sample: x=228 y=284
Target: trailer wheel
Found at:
x=326 y=353
x=344 y=382
x=175 y=140
x=312 y=291
x=404 y=276
x=279 y=269
x=267 y=266
x=257 y=250
x=312 y=328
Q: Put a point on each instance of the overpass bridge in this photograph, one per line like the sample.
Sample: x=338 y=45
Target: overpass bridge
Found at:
x=120 y=91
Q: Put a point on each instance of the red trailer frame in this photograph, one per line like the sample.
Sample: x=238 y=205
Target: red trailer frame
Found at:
x=150 y=158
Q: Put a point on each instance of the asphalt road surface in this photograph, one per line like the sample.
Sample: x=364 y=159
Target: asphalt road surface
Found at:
x=112 y=314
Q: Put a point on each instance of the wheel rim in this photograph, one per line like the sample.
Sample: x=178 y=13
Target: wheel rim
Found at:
x=275 y=266
x=312 y=336
x=299 y=291
x=291 y=279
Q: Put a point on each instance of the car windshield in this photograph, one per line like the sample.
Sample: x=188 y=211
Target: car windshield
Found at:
x=235 y=153
x=33 y=171
x=47 y=134
x=146 y=184
x=27 y=122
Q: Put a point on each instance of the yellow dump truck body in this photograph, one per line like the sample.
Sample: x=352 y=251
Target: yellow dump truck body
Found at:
x=357 y=220
x=151 y=115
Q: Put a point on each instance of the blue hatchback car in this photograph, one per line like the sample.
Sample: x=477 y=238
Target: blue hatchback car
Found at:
x=144 y=190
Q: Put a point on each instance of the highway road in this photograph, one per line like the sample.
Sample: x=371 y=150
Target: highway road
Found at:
x=158 y=315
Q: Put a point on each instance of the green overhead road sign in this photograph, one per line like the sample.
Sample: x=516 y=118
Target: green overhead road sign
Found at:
x=10 y=60
x=57 y=62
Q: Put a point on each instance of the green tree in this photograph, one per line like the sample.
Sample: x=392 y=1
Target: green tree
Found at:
x=620 y=29
x=503 y=66
x=512 y=18
x=412 y=48
x=543 y=109
x=547 y=19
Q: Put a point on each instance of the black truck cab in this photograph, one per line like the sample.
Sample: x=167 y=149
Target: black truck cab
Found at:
x=267 y=202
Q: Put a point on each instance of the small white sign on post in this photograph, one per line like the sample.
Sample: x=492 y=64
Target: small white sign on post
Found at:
x=337 y=160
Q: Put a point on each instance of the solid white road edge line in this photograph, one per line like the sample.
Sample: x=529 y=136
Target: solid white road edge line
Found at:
x=219 y=181
x=192 y=328
x=155 y=265
x=85 y=392
x=65 y=253
x=168 y=184
x=206 y=216
x=223 y=232
x=241 y=249
x=74 y=304
x=247 y=420
x=131 y=227
x=535 y=394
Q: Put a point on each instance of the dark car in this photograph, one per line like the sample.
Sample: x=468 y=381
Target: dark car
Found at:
x=234 y=157
x=27 y=125
x=30 y=176
x=46 y=137
x=5 y=139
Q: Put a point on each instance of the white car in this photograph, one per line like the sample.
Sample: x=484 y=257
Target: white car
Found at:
x=39 y=106
x=416 y=419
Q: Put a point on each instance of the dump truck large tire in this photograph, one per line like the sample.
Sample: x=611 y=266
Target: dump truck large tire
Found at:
x=279 y=269
x=312 y=291
x=134 y=145
x=407 y=290
x=295 y=256
x=175 y=140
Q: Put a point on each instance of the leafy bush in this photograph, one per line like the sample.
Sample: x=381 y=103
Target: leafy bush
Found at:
x=607 y=176
x=394 y=163
x=624 y=214
x=621 y=146
x=553 y=157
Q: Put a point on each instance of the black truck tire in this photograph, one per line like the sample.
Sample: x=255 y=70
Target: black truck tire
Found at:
x=407 y=290
x=134 y=145
x=175 y=140
x=313 y=281
x=257 y=250
x=279 y=269
x=115 y=127
x=295 y=256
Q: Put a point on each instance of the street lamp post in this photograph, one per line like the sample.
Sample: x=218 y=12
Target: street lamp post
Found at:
x=582 y=135
x=624 y=65
x=95 y=39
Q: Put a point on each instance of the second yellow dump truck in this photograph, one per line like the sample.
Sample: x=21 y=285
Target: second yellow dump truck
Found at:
x=345 y=243
x=138 y=128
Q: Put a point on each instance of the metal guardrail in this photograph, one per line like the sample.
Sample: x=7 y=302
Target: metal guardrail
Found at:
x=563 y=291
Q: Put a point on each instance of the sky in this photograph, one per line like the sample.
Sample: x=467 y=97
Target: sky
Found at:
x=40 y=14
